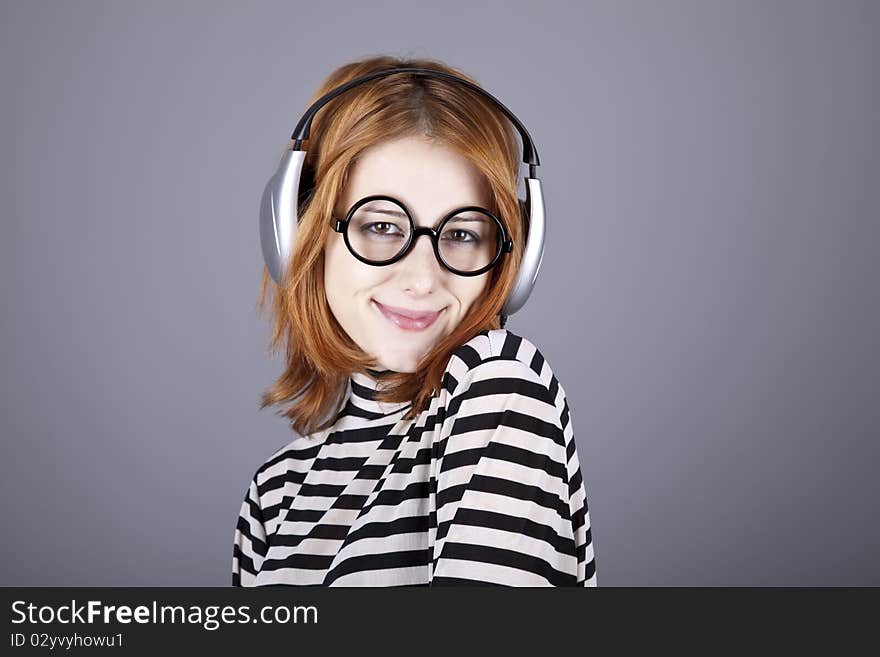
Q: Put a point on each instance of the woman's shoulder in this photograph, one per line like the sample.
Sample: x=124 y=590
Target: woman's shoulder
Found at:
x=293 y=457
x=499 y=353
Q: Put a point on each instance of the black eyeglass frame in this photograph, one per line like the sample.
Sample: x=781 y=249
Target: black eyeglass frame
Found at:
x=505 y=245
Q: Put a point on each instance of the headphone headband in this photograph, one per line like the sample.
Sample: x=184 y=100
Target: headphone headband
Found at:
x=303 y=128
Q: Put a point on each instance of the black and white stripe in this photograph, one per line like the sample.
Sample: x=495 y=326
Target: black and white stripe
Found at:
x=483 y=487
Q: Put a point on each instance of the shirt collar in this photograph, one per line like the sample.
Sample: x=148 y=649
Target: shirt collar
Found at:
x=363 y=393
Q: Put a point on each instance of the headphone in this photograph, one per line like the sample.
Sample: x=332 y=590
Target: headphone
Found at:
x=292 y=183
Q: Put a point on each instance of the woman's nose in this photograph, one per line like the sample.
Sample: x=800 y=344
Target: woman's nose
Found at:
x=420 y=266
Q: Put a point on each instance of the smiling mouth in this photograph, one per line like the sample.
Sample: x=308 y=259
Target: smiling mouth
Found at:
x=408 y=323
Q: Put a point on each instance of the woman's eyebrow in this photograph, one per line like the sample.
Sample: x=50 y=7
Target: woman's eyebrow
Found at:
x=480 y=218
x=393 y=213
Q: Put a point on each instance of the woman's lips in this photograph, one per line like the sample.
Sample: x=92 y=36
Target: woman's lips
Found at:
x=410 y=321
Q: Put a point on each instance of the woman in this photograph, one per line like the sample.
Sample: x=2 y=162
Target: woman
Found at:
x=436 y=447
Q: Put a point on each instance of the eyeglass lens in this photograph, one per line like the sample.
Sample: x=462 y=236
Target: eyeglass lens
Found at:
x=380 y=229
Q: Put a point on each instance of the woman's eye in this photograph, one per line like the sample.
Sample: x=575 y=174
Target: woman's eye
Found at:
x=385 y=228
x=460 y=235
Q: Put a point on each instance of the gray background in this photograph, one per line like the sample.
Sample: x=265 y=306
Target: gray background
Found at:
x=708 y=298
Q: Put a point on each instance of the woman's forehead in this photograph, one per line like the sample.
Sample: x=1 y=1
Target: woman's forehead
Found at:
x=428 y=177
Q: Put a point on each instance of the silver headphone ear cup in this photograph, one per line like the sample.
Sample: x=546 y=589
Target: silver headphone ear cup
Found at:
x=533 y=253
x=278 y=214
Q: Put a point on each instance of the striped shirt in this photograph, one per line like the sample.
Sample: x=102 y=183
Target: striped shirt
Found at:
x=483 y=487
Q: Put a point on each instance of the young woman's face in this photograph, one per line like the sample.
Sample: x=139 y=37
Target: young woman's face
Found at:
x=430 y=179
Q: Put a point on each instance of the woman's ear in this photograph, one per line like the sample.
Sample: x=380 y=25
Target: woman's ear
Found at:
x=524 y=214
x=306 y=187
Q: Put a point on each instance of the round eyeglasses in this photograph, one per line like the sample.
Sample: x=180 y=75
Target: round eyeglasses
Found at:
x=379 y=230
